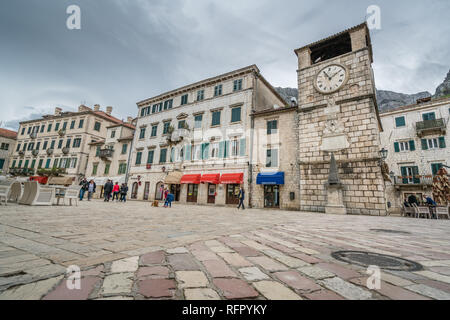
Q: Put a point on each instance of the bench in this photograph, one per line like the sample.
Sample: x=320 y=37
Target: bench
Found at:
x=442 y=211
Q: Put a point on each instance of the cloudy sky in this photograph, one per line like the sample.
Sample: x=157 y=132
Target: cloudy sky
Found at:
x=129 y=50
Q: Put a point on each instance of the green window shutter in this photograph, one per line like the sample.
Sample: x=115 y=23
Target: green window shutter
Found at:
x=242 y=147
x=416 y=178
x=205 y=151
x=187 y=155
x=397 y=147
x=221 y=149
x=400 y=122
x=424 y=144
x=226 y=147
x=435 y=167
x=412 y=146
x=404 y=174
x=442 y=142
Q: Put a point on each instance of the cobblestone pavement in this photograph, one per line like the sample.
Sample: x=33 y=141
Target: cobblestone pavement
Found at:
x=133 y=251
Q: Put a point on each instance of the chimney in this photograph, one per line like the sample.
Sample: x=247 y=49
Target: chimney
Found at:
x=109 y=110
x=96 y=107
x=130 y=120
x=82 y=108
x=58 y=111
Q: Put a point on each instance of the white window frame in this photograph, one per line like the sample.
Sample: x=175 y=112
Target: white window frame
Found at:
x=197 y=152
x=235 y=148
x=433 y=143
x=403 y=146
x=214 y=150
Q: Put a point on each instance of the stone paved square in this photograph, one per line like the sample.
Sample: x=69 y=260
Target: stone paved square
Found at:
x=135 y=251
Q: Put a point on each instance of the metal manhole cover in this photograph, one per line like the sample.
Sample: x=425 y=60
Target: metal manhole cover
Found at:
x=382 y=261
x=390 y=231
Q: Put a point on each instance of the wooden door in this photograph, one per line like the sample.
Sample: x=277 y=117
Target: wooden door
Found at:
x=232 y=194
x=134 y=190
x=146 y=190
x=211 y=193
x=192 y=193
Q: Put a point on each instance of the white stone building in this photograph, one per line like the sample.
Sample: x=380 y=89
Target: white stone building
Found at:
x=197 y=140
x=108 y=158
x=7 y=145
x=418 y=145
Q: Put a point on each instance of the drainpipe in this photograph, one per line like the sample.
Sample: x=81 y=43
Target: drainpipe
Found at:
x=252 y=137
x=127 y=175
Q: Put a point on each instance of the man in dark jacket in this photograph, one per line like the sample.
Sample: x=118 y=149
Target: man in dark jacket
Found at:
x=123 y=192
x=241 y=198
x=107 y=190
x=84 y=187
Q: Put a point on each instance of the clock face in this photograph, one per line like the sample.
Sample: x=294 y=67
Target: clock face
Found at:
x=331 y=78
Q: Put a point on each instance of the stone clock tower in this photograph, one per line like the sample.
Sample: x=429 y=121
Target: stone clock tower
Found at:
x=338 y=115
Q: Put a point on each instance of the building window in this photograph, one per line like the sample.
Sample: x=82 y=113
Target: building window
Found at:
x=166 y=127
x=38 y=145
x=168 y=104
x=73 y=163
x=272 y=158
x=42 y=128
x=142 y=112
x=434 y=143
x=237 y=85
x=29 y=130
x=60 y=143
x=23 y=131
x=4 y=146
x=410 y=175
x=200 y=95
x=68 y=143
x=44 y=147
x=214 y=150
x=124 y=148
x=142 y=133
x=234 y=148
x=198 y=121
x=94 y=169
x=31 y=146
x=20 y=164
x=184 y=99
x=107 y=166
x=154 y=130
x=400 y=122
x=47 y=164
x=80 y=125
x=435 y=167
x=57 y=126
x=155 y=108
x=72 y=125
x=181 y=124
x=403 y=146
x=138 y=158
x=13 y=164
x=272 y=127
x=97 y=126
x=236 y=114
x=52 y=144
x=64 y=126
x=197 y=152
x=429 y=116
x=160 y=106
x=33 y=163
x=18 y=148
x=218 y=90
x=113 y=133
x=150 y=156
x=163 y=156
x=215 y=118
x=122 y=168
x=77 y=142
x=97 y=151
x=25 y=147
x=49 y=128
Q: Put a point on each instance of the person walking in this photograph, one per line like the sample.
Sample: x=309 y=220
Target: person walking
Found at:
x=116 y=191
x=169 y=199
x=123 y=192
x=241 y=198
x=84 y=187
x=107 y=190
x=91 y=189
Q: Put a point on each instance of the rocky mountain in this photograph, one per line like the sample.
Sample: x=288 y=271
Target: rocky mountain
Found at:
x=443 y=89
x=387 y=100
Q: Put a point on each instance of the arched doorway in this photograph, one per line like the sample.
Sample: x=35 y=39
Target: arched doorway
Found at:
x=134 y=190
x=159 y=192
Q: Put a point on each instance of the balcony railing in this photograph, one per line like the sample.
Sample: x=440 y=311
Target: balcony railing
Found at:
x=430 y=127
x=106 y=153
x=413 y=181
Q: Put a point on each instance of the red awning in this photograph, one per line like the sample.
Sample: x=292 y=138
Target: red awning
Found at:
x=191 y=179
x=211 y=178
x=41 y=180
x=232 y=178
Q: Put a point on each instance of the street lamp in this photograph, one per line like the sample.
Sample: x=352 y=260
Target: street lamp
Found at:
x=383 y=155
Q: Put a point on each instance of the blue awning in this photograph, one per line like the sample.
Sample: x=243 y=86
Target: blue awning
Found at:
x=273 y=178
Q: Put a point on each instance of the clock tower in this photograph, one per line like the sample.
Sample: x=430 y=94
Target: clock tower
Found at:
x=338 y=115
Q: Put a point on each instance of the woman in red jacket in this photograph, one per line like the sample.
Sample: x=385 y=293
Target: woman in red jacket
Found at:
x=116 y=191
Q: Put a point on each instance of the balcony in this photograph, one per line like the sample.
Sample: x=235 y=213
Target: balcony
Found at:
x=106 y=153
x=413 y=181
x=436 y=126
x=179 y=134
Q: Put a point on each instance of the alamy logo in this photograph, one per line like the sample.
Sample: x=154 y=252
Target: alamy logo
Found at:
x=74 y=278
x=374 y=281
x=374 y=17
x=73 y=22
